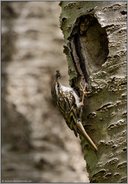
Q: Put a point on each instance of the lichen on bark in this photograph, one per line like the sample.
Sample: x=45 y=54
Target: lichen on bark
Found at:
x=104 y=117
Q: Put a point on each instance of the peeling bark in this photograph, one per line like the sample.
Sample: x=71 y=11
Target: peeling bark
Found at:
x=95 y=45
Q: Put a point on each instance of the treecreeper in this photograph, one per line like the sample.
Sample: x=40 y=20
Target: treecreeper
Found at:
x=71 y=107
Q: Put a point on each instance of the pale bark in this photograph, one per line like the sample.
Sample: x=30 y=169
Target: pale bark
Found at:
x=37 y=146
x=104 y=50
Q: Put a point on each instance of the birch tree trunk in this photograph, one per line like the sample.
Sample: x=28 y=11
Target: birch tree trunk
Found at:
x=95 y=45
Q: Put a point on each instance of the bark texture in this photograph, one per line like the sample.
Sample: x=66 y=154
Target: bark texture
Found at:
x=101 y=28
x=37 y=146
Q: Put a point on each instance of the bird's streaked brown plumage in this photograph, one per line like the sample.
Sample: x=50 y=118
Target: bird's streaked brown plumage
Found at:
x=70 y=106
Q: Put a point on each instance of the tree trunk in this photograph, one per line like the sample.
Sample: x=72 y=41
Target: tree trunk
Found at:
x=95 y=45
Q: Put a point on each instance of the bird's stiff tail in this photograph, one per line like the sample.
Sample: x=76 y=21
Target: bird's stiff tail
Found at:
x=84 y=133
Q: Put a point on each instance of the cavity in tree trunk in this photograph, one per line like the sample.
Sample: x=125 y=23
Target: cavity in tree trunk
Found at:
x=95 y=45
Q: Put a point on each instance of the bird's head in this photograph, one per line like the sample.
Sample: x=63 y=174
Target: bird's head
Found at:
x=55 y=86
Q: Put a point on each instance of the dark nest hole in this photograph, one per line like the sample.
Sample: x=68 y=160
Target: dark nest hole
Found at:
x=94 y=42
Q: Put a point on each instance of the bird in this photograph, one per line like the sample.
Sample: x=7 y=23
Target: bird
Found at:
x=71 y=107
